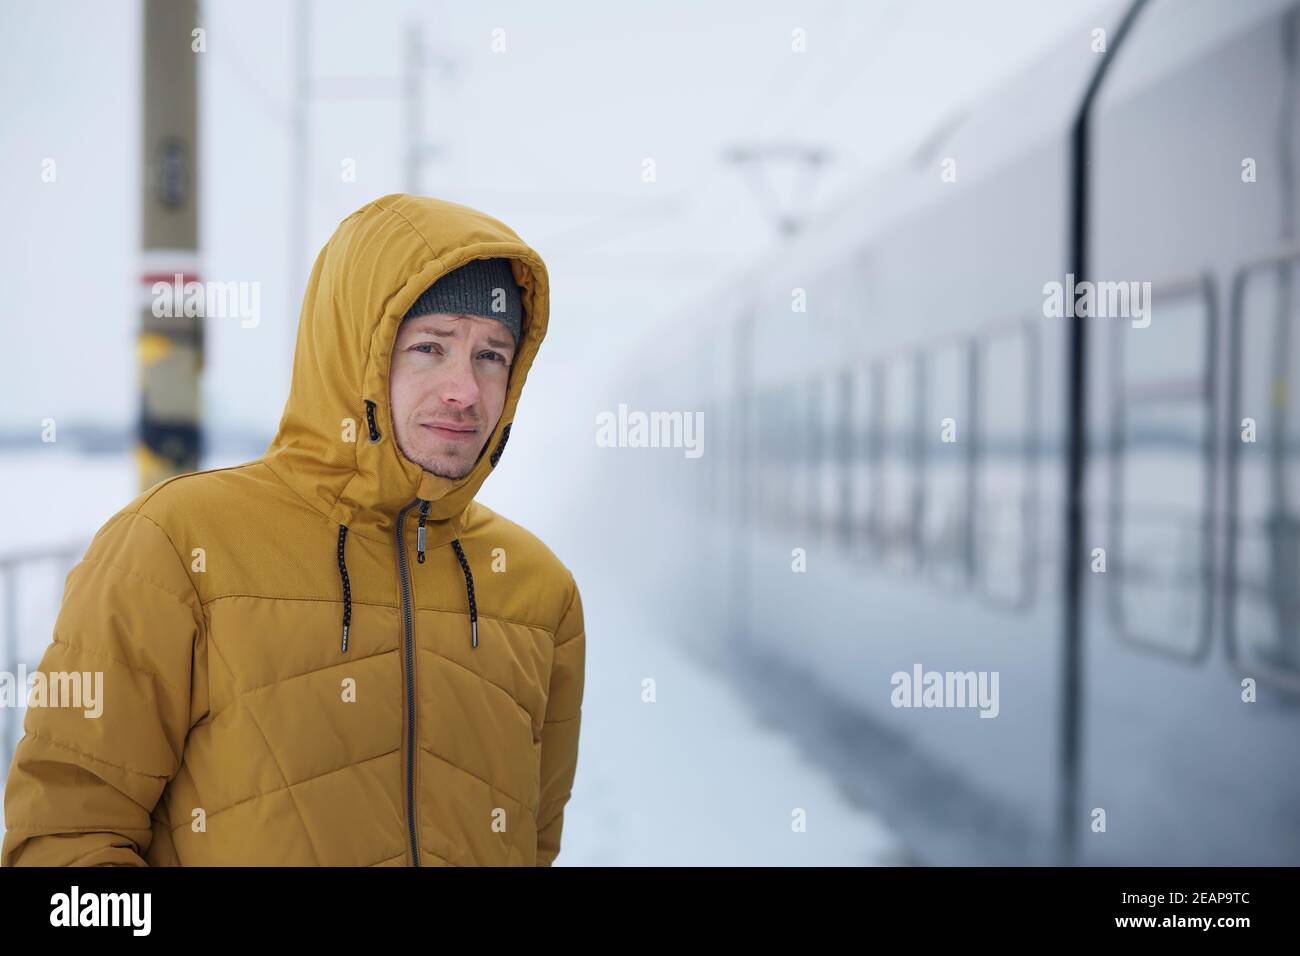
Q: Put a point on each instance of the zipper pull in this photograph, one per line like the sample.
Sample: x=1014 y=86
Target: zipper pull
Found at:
x=419 y=534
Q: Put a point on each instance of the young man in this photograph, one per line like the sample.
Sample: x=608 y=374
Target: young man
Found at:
x=332 y=655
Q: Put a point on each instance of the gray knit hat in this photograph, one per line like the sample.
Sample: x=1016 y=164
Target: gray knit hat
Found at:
x=473 y=289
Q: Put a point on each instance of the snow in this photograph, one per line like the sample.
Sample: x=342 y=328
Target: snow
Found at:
x=691 y=779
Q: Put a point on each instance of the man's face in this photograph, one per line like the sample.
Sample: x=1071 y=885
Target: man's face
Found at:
x=447 y=387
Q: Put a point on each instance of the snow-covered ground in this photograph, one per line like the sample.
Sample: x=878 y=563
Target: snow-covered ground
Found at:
x=689 y=779
x=692 y=779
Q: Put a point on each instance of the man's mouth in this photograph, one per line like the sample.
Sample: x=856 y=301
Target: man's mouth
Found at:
x=451 y=432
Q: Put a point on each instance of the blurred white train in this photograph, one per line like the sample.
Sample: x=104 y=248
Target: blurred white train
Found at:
x=1126 y=731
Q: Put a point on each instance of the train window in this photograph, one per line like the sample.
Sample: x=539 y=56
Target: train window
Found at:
x=1263 y=442
x=899 y=491
x=767 y=464
x=948 y=438
x=1158 y=579
x=831 y=461
x=863 y=444
x=815 y=449
x=840 y=463
x=786 y=445
x=744 y=483
x=1007 y=422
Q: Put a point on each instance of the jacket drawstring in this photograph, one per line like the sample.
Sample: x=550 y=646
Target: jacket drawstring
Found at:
x=419 y=556
x=347 y=587
x=469 y=590
x=464 y=566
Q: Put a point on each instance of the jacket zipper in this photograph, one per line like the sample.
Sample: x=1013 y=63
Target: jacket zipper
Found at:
x=409 y=651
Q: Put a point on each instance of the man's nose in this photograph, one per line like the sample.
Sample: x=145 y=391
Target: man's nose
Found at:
x=460 y=387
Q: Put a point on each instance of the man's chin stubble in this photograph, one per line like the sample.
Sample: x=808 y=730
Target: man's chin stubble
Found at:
x=444 y=470
x=438 y=469
x=442 y=473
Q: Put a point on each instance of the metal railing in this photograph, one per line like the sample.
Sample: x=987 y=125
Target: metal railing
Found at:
x=13 y=566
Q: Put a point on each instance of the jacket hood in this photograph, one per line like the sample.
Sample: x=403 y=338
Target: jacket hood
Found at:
x=335 y=444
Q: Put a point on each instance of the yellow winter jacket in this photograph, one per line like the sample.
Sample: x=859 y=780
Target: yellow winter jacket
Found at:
x=297 y=669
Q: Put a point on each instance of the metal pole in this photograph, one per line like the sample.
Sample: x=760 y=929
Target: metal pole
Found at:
x=170 y=346
x=414 y=106
x=299 y=173
x=1076 y=464
x=11 y=726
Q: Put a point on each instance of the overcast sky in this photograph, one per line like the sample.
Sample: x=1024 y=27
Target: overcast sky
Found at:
x=548 y=135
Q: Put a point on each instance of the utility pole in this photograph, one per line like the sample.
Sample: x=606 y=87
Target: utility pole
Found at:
x=170 y=346
x=299 y=172
x=414 y=107
x=309 y=88
x=419 y=58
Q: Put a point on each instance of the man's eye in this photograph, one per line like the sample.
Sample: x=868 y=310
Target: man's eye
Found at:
x=494 y=356
x=424 y=346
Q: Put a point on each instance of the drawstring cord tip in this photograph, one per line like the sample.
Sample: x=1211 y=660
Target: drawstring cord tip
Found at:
x=347 y=585
x=469 y=592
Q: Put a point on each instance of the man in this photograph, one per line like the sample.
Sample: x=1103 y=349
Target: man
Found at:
x=332 y=655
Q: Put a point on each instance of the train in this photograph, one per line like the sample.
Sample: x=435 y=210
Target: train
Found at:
x=926 y=452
